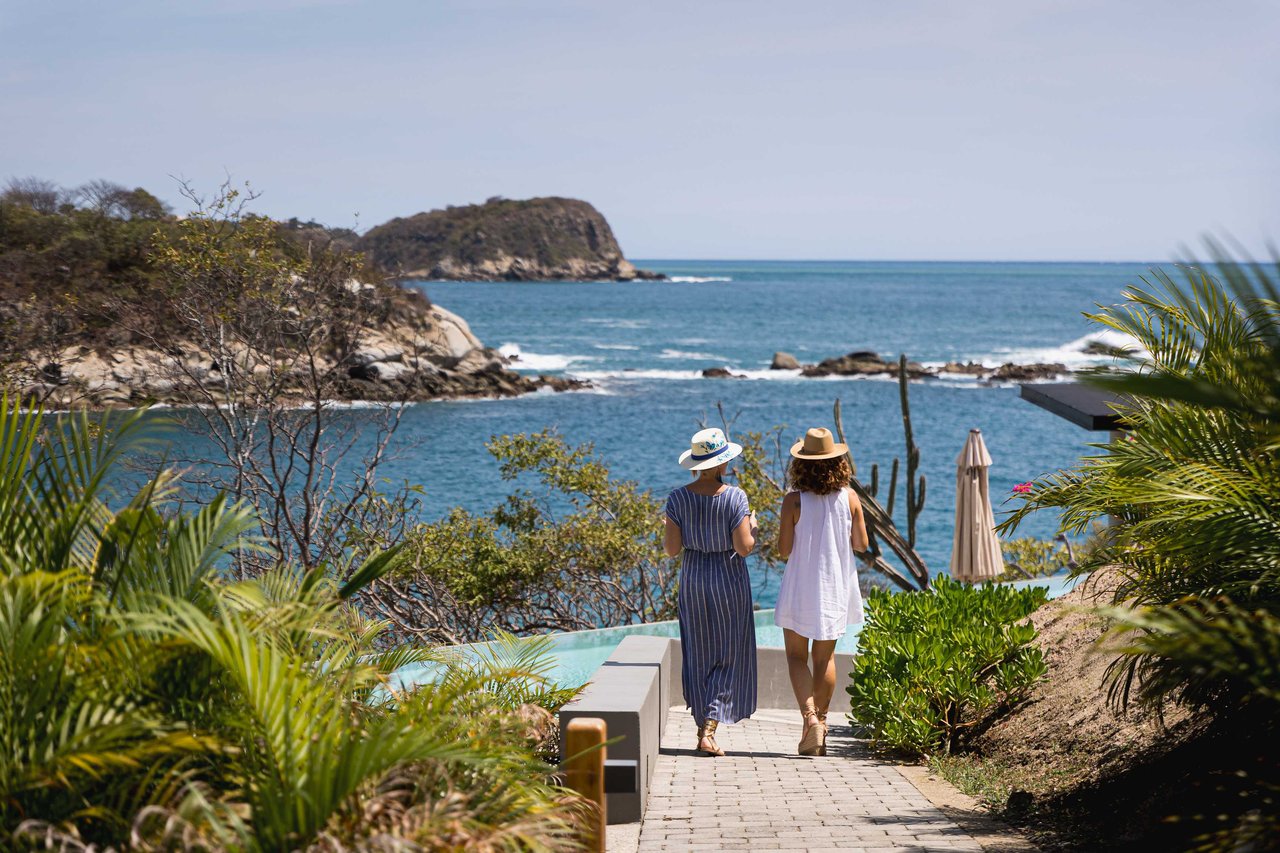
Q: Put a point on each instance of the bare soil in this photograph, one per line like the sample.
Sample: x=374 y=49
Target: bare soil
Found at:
x=1077 y=774
x=1069 y=723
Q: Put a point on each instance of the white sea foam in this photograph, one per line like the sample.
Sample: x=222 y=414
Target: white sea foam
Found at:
x=693 y=356
x=608 y=375
x=535 y=361
x=696 y=279
x=617 y=322
x=682 y=375
x=1072 y=353
x=624 y=347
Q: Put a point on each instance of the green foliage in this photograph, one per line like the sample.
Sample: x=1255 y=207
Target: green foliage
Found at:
x=582 y=551
x=931 y=665
x=1036 y=557
x=105 y=266
x=1212 y=653
x=761 y=473
x=1194 y=489
x=144 y=696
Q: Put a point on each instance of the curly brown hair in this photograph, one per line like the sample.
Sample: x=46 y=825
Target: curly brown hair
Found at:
x=820 y=476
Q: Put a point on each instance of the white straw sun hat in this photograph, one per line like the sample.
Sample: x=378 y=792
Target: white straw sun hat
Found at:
x=707 y=449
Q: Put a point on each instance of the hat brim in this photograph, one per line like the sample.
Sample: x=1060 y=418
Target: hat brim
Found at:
x=797 y=450
x=731 y=451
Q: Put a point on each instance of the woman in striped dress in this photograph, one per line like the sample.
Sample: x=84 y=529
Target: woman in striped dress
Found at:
x=713 y=528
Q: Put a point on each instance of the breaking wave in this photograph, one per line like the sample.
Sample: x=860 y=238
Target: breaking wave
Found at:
x=521 y=360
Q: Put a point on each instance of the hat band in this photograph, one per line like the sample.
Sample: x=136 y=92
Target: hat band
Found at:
x=703 y=457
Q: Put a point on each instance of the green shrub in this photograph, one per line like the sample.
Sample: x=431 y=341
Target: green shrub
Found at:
x=1036 y=557
x=931 y=665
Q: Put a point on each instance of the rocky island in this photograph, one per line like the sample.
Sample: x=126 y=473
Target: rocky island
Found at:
x=538 y=239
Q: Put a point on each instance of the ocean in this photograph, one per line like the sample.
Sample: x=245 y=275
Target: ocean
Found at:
x=644 y=344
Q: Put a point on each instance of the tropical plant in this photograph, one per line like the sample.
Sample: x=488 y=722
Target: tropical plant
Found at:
x=581 y=552
x=148 y=702
x=1192 y=488
x=931 y=666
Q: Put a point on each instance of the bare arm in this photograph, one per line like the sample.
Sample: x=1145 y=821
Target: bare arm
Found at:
x=858 y=535
x=744 y=536
x=787 y=518
x=672 y=540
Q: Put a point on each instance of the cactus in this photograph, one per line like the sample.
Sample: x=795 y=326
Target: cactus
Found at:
x=915 y=490
x=879 y=517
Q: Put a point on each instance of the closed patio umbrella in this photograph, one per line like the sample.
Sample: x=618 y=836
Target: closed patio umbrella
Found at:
x=975 y=551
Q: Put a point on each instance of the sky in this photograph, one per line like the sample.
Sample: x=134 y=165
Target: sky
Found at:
x=863 y=129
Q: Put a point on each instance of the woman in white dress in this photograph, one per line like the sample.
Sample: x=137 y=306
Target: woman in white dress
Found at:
x=821 y=526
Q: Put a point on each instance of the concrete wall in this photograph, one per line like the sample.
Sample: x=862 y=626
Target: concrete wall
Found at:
x=631 y=693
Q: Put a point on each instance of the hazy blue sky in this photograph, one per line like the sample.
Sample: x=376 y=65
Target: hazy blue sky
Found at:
x=883 y=129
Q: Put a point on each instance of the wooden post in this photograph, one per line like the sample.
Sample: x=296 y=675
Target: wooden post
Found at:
x=584 y=739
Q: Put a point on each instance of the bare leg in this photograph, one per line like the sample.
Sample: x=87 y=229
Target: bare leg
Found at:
x=802 y=685
x=824 y=674
x=798 y=668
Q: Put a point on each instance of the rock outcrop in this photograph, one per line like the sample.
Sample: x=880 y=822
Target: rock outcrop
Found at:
x=784 y=361
x=539 y=239
x=861 y=363
x=420 y=352
x=868 y=363
x=1010 y=372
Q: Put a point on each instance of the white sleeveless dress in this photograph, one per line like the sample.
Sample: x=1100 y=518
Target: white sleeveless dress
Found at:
x=819 y=597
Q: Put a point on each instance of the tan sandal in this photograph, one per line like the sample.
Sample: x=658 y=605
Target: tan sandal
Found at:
x=707 y=734
x=811 y=739
x=822 y=721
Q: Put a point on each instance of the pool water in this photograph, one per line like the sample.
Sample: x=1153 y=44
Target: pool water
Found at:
x=577 y=654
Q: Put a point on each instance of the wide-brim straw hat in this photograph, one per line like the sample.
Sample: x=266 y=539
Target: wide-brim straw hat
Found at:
x=818 y=443
x=707 y=449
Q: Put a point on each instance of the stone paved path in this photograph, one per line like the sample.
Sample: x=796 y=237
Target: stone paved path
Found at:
x=762 y=796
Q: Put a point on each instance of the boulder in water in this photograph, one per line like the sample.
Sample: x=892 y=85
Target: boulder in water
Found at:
x=784 y=361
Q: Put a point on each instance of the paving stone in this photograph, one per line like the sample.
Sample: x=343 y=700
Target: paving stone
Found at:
x=761 y=796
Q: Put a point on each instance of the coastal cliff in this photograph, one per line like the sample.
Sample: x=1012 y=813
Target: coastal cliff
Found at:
x=539 y=239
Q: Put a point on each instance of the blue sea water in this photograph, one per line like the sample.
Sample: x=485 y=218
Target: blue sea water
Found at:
x=644 y=344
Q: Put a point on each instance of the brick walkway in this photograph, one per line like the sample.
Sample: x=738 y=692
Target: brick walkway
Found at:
x=762 y=796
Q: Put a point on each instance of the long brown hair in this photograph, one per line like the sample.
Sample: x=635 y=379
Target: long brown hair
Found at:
x=820 y=476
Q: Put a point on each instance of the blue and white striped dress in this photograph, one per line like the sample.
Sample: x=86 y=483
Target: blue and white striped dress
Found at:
x=717 y=626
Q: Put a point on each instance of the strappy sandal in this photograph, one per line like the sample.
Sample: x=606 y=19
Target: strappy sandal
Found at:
x=822 y=721
x=811 y=739
x=707 y=733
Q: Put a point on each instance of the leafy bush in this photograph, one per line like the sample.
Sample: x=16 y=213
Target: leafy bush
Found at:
x=581 y=552
x=1036 y=557
x=932 y=665
x=151 y=703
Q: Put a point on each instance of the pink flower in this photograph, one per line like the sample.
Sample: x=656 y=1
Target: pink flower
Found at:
x=1023 y=488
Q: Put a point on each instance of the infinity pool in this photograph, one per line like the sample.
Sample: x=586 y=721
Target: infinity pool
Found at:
x=578 y=654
